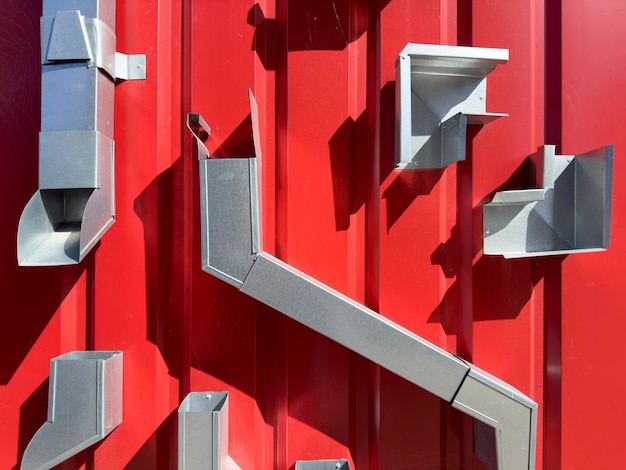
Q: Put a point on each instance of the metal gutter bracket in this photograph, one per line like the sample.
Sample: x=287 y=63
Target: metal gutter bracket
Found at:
x=228 y=194
x=84 y=406
x=570 y=212
x=440 y=90
x=75 y=203
x=203 y=432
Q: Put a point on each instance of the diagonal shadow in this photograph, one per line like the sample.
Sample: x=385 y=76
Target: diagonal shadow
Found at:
x=239 y=143
x=497 y=291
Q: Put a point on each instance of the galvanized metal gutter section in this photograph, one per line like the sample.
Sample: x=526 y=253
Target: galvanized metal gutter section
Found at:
x=358 y=328
x=231 y=251
x=203 y=432
x=75 y=203
x=440 y=91
x=511 y=415
x=570 y=212
x=84 y=406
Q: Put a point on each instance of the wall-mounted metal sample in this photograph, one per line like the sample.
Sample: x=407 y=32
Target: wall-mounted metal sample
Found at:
x=229 y=206
x=75 y=202
x=203 y=432
x=84 y=406
x=569 y=213
x=440 y=90
x=322 y=465
x=360 y=329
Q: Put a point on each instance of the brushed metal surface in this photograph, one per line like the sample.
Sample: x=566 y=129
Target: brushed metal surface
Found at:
x=511 y=416
x=84 y=406
x=203 y=431
x=75 y=203
x=228 y=204
x=435 y=85
x=571 y=213
x=353 y=325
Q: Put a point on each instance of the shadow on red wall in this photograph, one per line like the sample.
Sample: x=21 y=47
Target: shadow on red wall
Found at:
x=30 y=296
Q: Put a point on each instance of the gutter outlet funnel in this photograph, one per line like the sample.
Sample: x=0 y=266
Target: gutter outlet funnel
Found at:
x=84 y=406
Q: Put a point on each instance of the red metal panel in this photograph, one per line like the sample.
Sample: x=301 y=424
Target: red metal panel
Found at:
x=507 y=316
x=43 y=311
x=320 y=102
x=407 y=244
x=123 y=295
x=593 y=73
x=508 y=294
x=417 y=212
x=136 y=305
x=225 y=327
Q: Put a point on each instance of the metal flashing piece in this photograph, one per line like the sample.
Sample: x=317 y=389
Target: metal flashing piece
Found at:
x=75 y=203
x=203 y=432
x=570 y=213
x=322 y=465
x=440 y=90
x=336 y=316
x=84 y=406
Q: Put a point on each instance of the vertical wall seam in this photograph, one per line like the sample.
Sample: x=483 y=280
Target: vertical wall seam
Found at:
x=553 y=121
x=187 y=197
x=464 y=207
x=282 y=229
x=372 y=217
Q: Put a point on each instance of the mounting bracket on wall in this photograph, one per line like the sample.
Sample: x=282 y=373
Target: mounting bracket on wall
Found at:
x=75 y=203
x=505 y=419
x=84 y=406
x=203 y=432
x=570 y=213
x=440 y=90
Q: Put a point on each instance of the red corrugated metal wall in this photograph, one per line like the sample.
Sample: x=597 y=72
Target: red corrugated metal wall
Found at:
x=407 y=244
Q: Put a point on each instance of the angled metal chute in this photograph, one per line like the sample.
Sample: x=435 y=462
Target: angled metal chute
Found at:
x=506 y=418
x=84 y=406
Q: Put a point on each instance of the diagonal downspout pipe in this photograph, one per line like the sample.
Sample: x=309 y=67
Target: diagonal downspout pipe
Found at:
x=505 y=419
